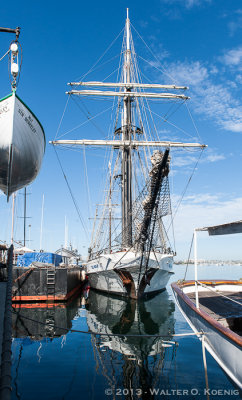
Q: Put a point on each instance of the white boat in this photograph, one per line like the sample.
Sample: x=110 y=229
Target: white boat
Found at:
x=133 y=258
x=215 y=308
x=22 y=138
x=22 y=144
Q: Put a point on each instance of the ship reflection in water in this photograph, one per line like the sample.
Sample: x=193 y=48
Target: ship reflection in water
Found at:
x=128 y=353
x=129 y=348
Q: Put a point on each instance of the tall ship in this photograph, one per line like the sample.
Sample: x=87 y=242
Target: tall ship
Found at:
x=132 y=257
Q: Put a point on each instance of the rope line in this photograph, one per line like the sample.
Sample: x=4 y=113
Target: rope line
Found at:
x=156 y=58
x=109 y=334
x=219 y=293
x=5 y=55
x=99 y=59
x=72 y=196
x=189 y=256
x=85 y=122
x=185 y=189
x=62 y=117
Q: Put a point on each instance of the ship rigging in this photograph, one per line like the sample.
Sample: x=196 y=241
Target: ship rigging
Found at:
x=136 y=260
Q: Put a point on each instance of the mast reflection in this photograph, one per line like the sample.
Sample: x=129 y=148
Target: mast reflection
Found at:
x=136 y=363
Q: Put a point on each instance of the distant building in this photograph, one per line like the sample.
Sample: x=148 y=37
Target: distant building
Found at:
x=69 y=256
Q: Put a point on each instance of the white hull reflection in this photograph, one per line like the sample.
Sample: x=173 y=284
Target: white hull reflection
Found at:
x=112 y=316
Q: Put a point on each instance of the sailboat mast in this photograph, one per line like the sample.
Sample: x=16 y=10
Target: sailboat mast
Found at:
x=126 y=152
x=110 y=208
x=25 y=196
x=41 y=223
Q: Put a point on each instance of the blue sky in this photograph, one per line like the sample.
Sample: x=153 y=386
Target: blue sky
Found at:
x=197 y=42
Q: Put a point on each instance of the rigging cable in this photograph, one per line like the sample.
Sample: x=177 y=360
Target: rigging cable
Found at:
x=185 y=189
x=193 y=122
x=87 y=114
x=163 y=71
x=112 y=128
x=188 y=257
x=5 y=55
x=112 y=334
x=173 y=231
x=62 y=117
x=87 y=183
x=85 y=122
x=106 y=62
x=94 y=65
x=170 y=123
x=72 y=196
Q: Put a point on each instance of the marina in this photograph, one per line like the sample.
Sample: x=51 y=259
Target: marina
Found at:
x=100 y=295
x=144 y=347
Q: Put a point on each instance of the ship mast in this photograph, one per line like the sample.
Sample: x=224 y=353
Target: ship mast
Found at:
x=126 y=168
x=128 y=91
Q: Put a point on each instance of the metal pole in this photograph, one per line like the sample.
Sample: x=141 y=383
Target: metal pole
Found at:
x=205 y=366
x=195 y=267
x=13 y=206
x=66 y=234
x=9 y=30
x=126 y=152
x=29 y=232
x=110 y=209
x=41 y=224
x=25 y=195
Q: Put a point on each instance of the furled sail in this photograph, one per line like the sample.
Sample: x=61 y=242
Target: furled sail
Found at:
x=159 y=170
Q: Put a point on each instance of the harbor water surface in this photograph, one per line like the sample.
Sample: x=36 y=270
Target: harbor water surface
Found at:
x=53 y=360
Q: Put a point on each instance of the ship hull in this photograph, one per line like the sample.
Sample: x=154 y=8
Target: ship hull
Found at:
x=120 y=274
x=22 y=144
x=221 y=342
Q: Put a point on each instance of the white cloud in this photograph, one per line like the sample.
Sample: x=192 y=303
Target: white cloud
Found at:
x=236 y=22
x=233 y=58
x=215 y=157
x=239 y=79
x=208 y=156
x=213 y=100
x=206 y=198
x=206 y=209
x=187 y=3
x=188 y=74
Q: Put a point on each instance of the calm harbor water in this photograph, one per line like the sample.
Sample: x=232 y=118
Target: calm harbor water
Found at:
x=53 y=364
